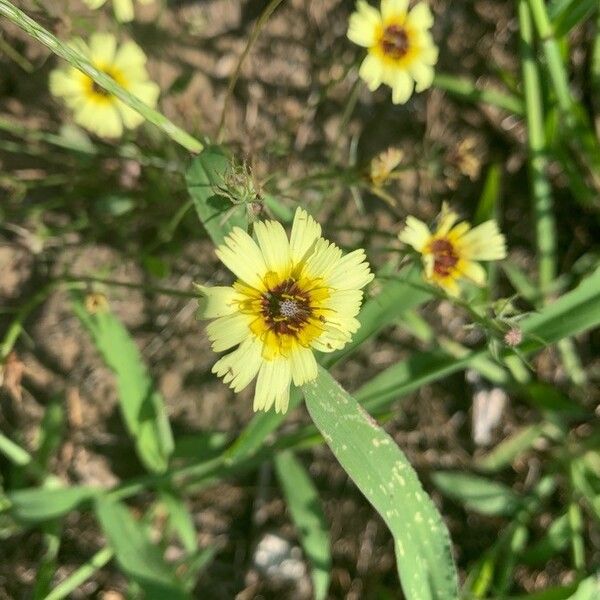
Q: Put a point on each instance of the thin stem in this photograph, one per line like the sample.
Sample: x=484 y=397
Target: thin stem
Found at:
x=467 y=90
x=75 y=279
x=540 y=187
x=79 y=576
x=81 y=63
x=264 y=17
x=556 y=67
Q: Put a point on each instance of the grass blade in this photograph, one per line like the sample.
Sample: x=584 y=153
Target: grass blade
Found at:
x=42 y=504
x=137 y=556
x=382 y=473
x=306 y=510
x=142 y=406
x=477 y=493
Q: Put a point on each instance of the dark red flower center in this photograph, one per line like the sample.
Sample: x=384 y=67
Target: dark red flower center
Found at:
x=444 y=257
x=394 y=41
x=286 y=308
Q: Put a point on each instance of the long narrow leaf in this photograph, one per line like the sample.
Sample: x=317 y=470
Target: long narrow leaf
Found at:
x=383 y=474
x=142 y=406
x=305 y=507
x=137 y=556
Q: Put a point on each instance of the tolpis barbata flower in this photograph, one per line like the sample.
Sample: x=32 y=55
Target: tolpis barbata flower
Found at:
x=400 y=50
x=453 y=251
x=291 y=297
x=93 y=107
x=123 y=8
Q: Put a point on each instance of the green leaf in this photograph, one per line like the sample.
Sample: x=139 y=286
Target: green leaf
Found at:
x=180 y=519
x=142 y=406
x=217 y=213
x=306 y=510
x=51 y=431
x=509 y=449
x=138 y=557
x=383 y=474
x=486 y=209
x=477 y=493
x=41 y=504
x=556 y=539
x=588 y=589
x=567 y=14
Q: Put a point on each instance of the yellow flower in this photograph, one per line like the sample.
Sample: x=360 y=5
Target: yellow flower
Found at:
x=291 y=297
x=401 y=52
x=383 y=165
x=123 y=8
x=450 y=253
x=93 y=107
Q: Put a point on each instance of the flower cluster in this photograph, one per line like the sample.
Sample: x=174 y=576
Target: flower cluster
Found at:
x=95 y=108
x=292 y=296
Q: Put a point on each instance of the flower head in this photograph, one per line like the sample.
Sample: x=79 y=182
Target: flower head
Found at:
x=383 y=165
x=123 y=8
x=401 y=52
x=95 y=108
x=291 y=297
x=451 y=252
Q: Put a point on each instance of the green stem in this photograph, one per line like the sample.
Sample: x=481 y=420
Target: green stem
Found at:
x=556 y=67
x=540 y=187
x=467 y=90
x=264 y=17
x=71 y=583
x=81 y=63
x=75 y=279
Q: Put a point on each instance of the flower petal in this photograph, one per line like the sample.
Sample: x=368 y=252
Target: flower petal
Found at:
x=274 y=245
x=402 y=87
x=241 y=255
x=393 y=8
x=102 y=48
x=228 y=331
x=217 y=301
x=123 y=10
x=350 y=272
x=239 y=368
x=364 y=25
x=371 y=71
x=415 y=233
x=484 y=242
x=273 y=385
x=303 y=365
x=423 y=75
x=473 y=271
x=305 y=232
x=420 y=16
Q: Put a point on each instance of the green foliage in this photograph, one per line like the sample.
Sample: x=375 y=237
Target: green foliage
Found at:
x=306 y=511
x=477 y=493
x=138 y=557
x=380 y=470
x=141 y=404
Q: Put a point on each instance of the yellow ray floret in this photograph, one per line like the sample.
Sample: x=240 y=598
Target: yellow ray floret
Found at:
x=400 y=49
x=453 y=251
x=123 y=8
x=291 y=297
x=93 y=107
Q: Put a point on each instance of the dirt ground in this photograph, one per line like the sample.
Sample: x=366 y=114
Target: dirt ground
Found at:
x=286 y=116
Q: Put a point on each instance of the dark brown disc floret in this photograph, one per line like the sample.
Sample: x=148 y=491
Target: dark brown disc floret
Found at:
x=444 y=257
x=394 y=41
x=286 y=308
